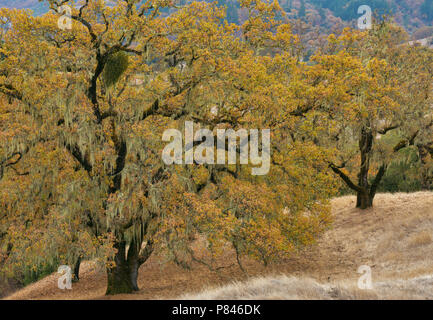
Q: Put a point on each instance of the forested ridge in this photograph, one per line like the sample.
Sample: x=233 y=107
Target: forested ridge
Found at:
x=412 y=14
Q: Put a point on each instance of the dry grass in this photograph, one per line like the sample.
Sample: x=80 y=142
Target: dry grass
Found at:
x=421 y=239
x=394 y=238
x=291 y=288
x=279 y=288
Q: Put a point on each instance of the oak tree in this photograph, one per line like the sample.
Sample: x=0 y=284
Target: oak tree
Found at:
x=83 y=112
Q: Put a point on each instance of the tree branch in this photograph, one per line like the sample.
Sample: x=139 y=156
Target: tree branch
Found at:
x=77 y=154
x=345 y=178
x=377 y=180
x=385 y=130
x=406 y=142
x=146 y=252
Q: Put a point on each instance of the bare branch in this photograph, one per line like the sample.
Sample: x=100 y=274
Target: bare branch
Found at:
x=345 y=178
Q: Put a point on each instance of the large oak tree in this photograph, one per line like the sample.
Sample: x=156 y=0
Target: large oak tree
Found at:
x=372 y=95
x=83 y=112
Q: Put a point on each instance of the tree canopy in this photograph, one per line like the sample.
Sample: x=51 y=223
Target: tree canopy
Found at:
x=83 y=112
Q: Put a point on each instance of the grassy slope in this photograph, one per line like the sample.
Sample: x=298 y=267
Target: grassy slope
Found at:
x=394 y=238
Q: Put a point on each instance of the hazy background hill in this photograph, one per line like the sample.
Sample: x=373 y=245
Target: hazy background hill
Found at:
x=35 y=5
x=412 y=14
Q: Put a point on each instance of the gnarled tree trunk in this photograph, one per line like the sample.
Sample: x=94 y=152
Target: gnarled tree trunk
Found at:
x=122 y=277
x=364 y=191
x=77 y=270
x=364 y=200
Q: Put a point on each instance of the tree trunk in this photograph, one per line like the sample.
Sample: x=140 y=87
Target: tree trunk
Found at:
x=364 y=191
x=133 y=269
x=364 y=197
x=77 y=270
x=122 y=278
x=364 y=200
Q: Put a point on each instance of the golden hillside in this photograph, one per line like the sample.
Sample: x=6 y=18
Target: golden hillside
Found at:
x=395 y=239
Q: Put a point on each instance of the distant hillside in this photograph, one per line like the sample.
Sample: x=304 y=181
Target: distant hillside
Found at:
x=412 y=14
x=35 y=5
